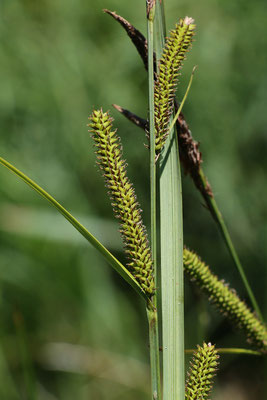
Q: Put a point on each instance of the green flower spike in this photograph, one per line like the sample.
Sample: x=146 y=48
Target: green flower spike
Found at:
x=226 y=300
x=203 y=368
x=123 y=199
x=166 y=81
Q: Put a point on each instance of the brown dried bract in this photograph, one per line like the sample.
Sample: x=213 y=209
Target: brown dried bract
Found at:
x=138 y=121
x=134 y=34
x=190 y=155
x=150 y=5
x=188 y=147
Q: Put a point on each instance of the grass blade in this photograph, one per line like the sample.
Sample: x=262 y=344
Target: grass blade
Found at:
x=25 y=356
x=124 y=273
x=217 y=215
x=171 y=271
x=171 y=251
x=152 y=314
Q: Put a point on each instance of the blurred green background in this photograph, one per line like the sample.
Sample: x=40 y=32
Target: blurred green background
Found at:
x=69 y=326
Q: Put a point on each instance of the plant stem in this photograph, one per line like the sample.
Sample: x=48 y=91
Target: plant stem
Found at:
x=152 y=316
x=172 y=271
x=152 y=312
x=160 y=28
x=182 y=102
x=153 y=187
x=214 y=209
x=231 y=351
x=171 y=259
x=25 y=358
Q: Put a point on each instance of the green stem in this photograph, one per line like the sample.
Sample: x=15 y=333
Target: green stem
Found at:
x=160 y=28
x=80 y=228
x=152 y=313
x=152 y=316
x=23 y=352
x=171 y=252
x=182 y=102
x=231 y=351
x=172 y=271
x=214 y=209
x=153 y=187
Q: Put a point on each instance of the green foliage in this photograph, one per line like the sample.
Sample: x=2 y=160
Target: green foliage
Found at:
x=80 y=228
x=226 y=300
x=64 y=290
x=170 y=63
x=123 y=198
x=203 y=368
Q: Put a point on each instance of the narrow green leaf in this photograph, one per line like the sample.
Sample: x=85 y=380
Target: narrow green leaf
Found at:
x=153 y=314
x=171 y=218
x=172 y=274
x=212 y=205
x=177 y=114
x=25 y=357
x=230 y=350
x=124 y=273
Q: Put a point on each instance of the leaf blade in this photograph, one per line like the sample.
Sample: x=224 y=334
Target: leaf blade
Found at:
x=124 y=273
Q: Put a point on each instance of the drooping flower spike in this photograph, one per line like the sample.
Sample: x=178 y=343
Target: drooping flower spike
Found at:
x=123 y=199
x=170 y=63
x=226 y=300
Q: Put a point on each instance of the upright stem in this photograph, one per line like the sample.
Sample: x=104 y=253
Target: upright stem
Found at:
x=171 y=257
x=229 y=350
x=152 y=316
x=172 y=271
x=152 y=312
x=27 y=367
x=160 y=28
x=214 y=209
x=153 y=188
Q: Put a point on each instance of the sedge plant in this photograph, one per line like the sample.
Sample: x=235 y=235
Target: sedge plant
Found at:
x=156 y=272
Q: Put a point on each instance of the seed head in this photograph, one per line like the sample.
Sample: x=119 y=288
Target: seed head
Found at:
x=202 y=371
x=123 y=199
x=174 y=52
x=226 y=300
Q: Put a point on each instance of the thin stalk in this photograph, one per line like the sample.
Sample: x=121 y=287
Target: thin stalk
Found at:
x=162 y=11
x=214 y=209
x=125 y=274
x=23 y=352
x=160 y=18
x=172 y=271
x=153 y=187
x=152 y=312
x=171 y=257
x=182 y=102
x=231 y=351
x=152 y=316
x=160 y=28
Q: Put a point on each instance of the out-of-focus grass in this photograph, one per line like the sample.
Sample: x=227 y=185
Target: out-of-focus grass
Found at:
x=58 y=60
